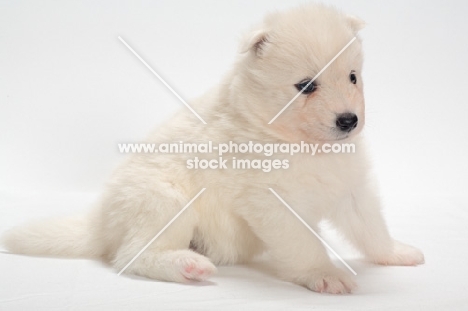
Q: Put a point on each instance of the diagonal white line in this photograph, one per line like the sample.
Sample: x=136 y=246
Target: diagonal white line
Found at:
x=313 y=231
x=311 y=81
x=160 y=232
x=161 y=79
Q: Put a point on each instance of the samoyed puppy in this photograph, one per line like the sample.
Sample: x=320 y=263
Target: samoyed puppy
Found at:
x=237 y=217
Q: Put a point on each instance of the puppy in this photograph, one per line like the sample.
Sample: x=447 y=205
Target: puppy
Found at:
x=237 y=217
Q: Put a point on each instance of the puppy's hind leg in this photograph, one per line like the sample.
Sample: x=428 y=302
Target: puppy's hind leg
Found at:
x=168 y=257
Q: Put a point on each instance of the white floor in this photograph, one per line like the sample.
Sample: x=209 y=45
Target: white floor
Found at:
x=437 y=225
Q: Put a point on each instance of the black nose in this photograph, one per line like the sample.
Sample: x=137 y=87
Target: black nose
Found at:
x=346 y=121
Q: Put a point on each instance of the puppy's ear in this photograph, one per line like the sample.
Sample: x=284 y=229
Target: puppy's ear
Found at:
x=355 y=23
x=254 y=42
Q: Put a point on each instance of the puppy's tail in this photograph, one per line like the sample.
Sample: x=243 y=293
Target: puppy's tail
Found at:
x=72 y=237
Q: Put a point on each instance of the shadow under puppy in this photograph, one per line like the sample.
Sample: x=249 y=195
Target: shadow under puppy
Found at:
x=237 y=217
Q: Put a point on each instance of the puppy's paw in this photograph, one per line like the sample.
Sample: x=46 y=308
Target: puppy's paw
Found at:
x=194 y=267
x=402 y=255
x=332 y=281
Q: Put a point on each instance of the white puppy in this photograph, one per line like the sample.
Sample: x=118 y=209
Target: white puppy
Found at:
x=237 y=217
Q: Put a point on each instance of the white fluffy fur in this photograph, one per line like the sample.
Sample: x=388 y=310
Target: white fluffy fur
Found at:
x=237 y=217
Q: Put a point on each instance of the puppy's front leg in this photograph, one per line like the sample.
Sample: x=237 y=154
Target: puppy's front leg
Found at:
x=298 y=255
x=360 y=219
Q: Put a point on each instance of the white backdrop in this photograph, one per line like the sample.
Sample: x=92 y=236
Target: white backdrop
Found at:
x=70 y=90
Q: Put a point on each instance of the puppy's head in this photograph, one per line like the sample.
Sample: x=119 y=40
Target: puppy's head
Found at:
x=282 y=56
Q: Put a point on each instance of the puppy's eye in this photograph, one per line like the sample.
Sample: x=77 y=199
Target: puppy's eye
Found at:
x=308 y=88
x=352 y=77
